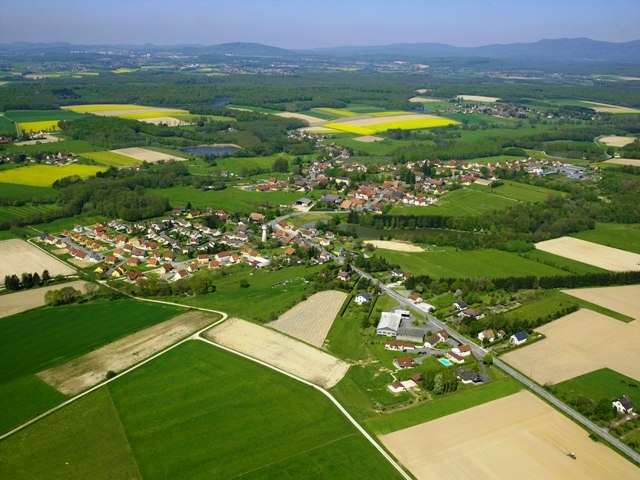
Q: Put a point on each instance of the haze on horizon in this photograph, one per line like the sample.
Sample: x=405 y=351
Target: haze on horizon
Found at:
x=302 y=24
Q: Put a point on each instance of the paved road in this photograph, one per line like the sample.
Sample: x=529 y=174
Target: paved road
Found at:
x=479 y=352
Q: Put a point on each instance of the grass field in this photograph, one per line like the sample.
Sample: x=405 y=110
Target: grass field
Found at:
x=112 y=159
x=6 y=125
x=385 y=147
x=260 y=425
x=45 y=175
x=74 y=146
x=520 y=191
x=41 y=126
x=446 y=262
x=465 y=202
x=10 y=192
x=25 y=211
x=230 y=199
x=601 y=383
x=562 y=263
x=21 y=116
x=266 y=301
x=616 y=235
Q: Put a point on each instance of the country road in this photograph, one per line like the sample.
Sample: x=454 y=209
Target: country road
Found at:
x=479 y=352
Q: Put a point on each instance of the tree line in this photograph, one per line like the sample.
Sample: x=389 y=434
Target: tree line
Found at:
x=26 y=281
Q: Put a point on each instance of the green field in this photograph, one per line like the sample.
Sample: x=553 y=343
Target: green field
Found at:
x=26 y=211
x=22 y=116
x=6 y=125
x=260 y=425
x=384 y=147
x=230 y=199
x=261 y=301
x=45 y=175
x=598 y=384
x=465 y=202
x=112 y=159
x=520 y=191
x=617 y=235
x=73 y=146
x=10 y=192
x=562 y=263
x=447 y=262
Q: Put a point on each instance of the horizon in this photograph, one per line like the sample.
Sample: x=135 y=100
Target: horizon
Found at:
x=301 y=25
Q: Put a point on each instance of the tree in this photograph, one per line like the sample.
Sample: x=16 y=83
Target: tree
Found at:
x=280 y=164
x=244 y=283
x=45 y=276
x=438 y=384
x=487 y=359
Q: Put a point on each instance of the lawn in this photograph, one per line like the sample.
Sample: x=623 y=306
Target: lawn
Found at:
x=171 y=419
x=465 y=202
x=230 y=199
x=617 y=235
x=112 y=159
x=45 y=175
x=261 y=301
x=449 y=263
x=598 y=384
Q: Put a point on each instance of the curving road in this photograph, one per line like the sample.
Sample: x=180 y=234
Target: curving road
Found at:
x=526 y=381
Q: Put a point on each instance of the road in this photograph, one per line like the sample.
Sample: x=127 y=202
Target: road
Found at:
x=479 y=352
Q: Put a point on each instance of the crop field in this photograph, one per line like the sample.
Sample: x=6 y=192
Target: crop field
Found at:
x=250 y=108
x=112 y=159
x=311 y=320
x=601 y=383
x=144 y=154
x=26 y=211
x=45 y=175
x=465 y=202
x=623 y=161
x=12 y=303
x=447 y=262
x=337 y=112
x=302 y=116
x=562 y=263
x=625 y=236
x=18 y=256
x=523 y=192
x=24 y=116
x=75 y=146
x=616 y=141
x=385 y=147
x=41 y=126
x=518 y=436
x=373 y=125
x=619 y=299
x=10 y=191
x=298 y=431
x=573 y=346
x=104 y=107
x=133 y=112
x=609 y=258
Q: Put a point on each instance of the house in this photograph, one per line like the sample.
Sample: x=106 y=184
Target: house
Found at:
x=468 y=376
x=398 y=346
x=362 y=297
x=193 y=267
x=153 y=262
x=518 y=338
x=101 y=269
x=396 y=387
x=179 y=275
x=256 y=217
x=402 y=363
x=202 y=258
x=388 y=324
x=486 y=335
x=214 y=264
x=460 y=304
x=133 y=261
x=415 y=297
x=473 y=313
x=343 y=275
x=623 y=405
x=133 y=276
x=117 y=272
x=462 y=350
x=438 y=337
x=397 y=273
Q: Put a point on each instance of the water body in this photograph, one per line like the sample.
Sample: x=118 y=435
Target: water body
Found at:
x=215 y=150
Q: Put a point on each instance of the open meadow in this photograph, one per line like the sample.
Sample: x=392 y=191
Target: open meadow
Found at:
x=18 y=257
x=609 y=258
x=279 y=350
x=311 y=319
x=518 y=436
x=46 y=175
x=573 y=346
x=260 y=425
x=624 y=236
x=464 y=202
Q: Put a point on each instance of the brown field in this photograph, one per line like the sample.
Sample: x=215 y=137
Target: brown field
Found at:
x=423 y=100
x=605 y=107
x=169 y=121
x=280 y=351
x=135 y=111
x=515 y=437
x=307 y=118
x=616 y=141
x=318 y=129
x=146 y=155
x=84 y=372
x=28 y=299
x=368 y=139
x=579 y=343
x=311 y=320
x=394 y=245
x=18 y=256
x=624 y=161
x=609 y=258
x=623 y=299
x=478 y=98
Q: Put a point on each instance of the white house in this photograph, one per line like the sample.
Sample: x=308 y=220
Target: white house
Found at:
x=623 y=405
x=388 y=324
x=362 y=297
x=518 y=338
x=486 y=335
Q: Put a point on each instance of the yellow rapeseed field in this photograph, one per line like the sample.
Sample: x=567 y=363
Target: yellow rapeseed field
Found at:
x=45 y=175
x=112 y=159
x=407 y=124
x=44 y=125
x=341 y=112
x=101 y=107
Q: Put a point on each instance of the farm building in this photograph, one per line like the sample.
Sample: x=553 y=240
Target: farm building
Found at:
x=388 y=324
x=411 y=334
x=518 y=338
x=623 y=405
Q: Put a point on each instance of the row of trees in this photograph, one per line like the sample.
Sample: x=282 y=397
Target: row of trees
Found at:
x=63 y=296
x=26 y=280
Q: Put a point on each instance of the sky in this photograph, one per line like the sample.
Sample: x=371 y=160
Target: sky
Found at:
x=316 y=23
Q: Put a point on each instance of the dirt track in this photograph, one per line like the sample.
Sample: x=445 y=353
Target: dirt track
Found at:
x=311 y=320
x=22 y=301
x=84 y=372
x=280 y=351
x=515 y=437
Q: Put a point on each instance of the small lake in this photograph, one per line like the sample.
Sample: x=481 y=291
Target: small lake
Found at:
x=215 y=150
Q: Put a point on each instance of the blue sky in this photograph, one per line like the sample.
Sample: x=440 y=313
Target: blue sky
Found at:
x=316 y=23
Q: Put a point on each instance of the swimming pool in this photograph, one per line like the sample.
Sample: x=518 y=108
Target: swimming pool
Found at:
x=445 y=362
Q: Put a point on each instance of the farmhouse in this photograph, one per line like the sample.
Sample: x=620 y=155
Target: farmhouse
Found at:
x=518 y=338
x=396 y=387
x=388 y=324
x=623 y=405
